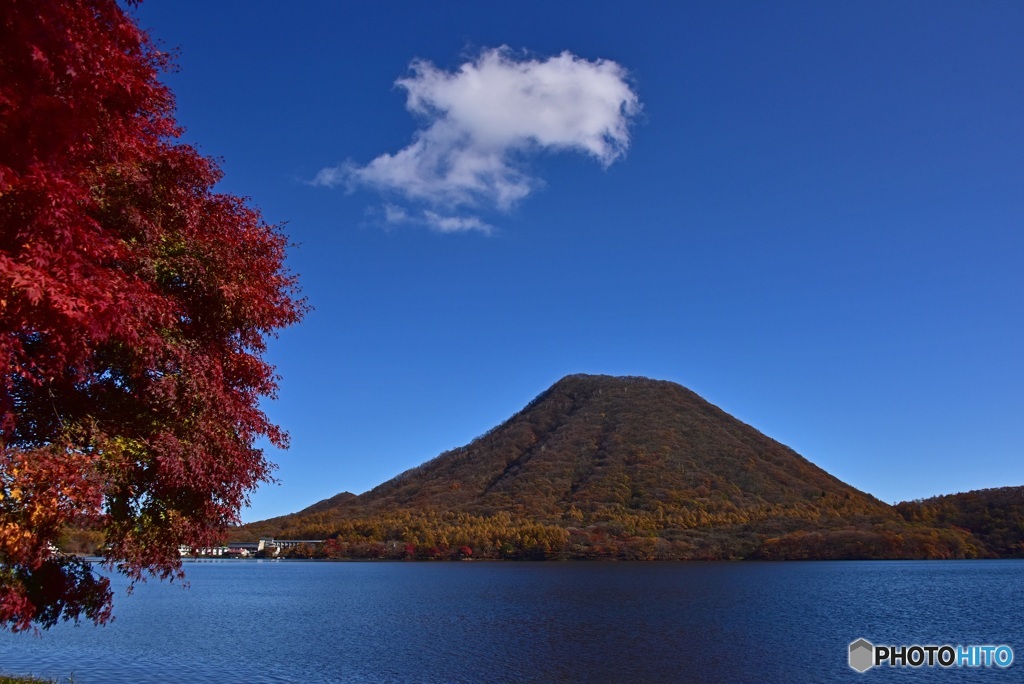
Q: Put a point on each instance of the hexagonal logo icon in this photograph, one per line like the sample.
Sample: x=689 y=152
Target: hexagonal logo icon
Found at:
x=862 y=655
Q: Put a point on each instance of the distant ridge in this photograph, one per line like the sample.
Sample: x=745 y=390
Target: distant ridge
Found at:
x=625 y=467
x=327 y=504
x=994 y=516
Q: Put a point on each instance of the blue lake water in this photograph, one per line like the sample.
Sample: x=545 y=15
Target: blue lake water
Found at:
x=279 y=621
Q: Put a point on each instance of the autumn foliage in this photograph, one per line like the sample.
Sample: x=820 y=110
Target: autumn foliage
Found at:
x=135 y=304
x=600 y=467
x=994 y=516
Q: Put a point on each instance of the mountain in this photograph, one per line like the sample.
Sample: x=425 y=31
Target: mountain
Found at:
x=994 y=516
x=626 y=467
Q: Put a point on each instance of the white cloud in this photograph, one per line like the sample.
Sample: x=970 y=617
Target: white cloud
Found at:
x=484 y=120
x=456 y=224
x=397 y=216
x=330 y=176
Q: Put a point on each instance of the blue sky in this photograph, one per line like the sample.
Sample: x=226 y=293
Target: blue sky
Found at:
x=809 y=213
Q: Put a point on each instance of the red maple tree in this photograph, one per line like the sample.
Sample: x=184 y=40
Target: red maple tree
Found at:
x=135 y=305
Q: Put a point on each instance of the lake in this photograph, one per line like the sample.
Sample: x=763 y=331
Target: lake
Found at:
x=284 y=621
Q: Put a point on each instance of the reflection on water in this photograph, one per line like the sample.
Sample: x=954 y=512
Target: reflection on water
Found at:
x=253 y=621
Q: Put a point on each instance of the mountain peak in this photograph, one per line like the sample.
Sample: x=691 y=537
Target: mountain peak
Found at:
x=631 y=458
x=605 y=446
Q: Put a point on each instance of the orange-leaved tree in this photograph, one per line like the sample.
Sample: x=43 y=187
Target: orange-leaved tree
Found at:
x=135 y=305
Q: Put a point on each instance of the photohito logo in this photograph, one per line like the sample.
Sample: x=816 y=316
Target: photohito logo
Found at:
x=865 y=655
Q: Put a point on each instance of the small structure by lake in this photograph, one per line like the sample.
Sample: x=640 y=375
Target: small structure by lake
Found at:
x=266 y=545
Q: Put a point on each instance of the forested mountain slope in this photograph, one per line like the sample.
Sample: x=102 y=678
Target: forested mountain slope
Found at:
x=600 y=466
x=994 y=516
